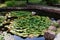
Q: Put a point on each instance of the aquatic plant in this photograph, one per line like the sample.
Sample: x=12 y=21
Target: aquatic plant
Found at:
x=20 y=13
x=28 y=24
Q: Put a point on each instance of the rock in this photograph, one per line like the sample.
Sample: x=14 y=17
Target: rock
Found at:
x=53 y=28
x=58 y=21
x=49 y=35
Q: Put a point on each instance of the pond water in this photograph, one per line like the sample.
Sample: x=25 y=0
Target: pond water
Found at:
x=35 y=38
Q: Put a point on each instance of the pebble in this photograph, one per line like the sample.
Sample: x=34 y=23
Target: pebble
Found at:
x=49 y=35
x=58 y=21
x=53 y=28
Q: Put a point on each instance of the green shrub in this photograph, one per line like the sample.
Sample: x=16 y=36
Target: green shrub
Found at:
x=15 y=3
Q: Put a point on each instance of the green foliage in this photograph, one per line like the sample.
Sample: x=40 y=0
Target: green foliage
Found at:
x=53 y=1
x=1 y=19
x=24 y=2
x=20 y=13
x=28 y=24
x=1 y=37
x=10 y=3
x=40 y=2
x=35 y=1
x=15 y=3
x=15 y=0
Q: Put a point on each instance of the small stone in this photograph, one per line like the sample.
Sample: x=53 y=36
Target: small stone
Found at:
x=58 y=21
x=49 y=35
x=53 y=28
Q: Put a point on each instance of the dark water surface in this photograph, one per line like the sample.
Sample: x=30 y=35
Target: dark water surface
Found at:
x=35 y=38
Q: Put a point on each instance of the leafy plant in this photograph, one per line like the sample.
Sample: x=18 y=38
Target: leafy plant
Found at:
x=27 y=24
x=1 y=20
x=20 y=13
x=1 y=37
x=15 y=3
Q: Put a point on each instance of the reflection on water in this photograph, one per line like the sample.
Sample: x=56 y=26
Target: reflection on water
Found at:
x=35 y=38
